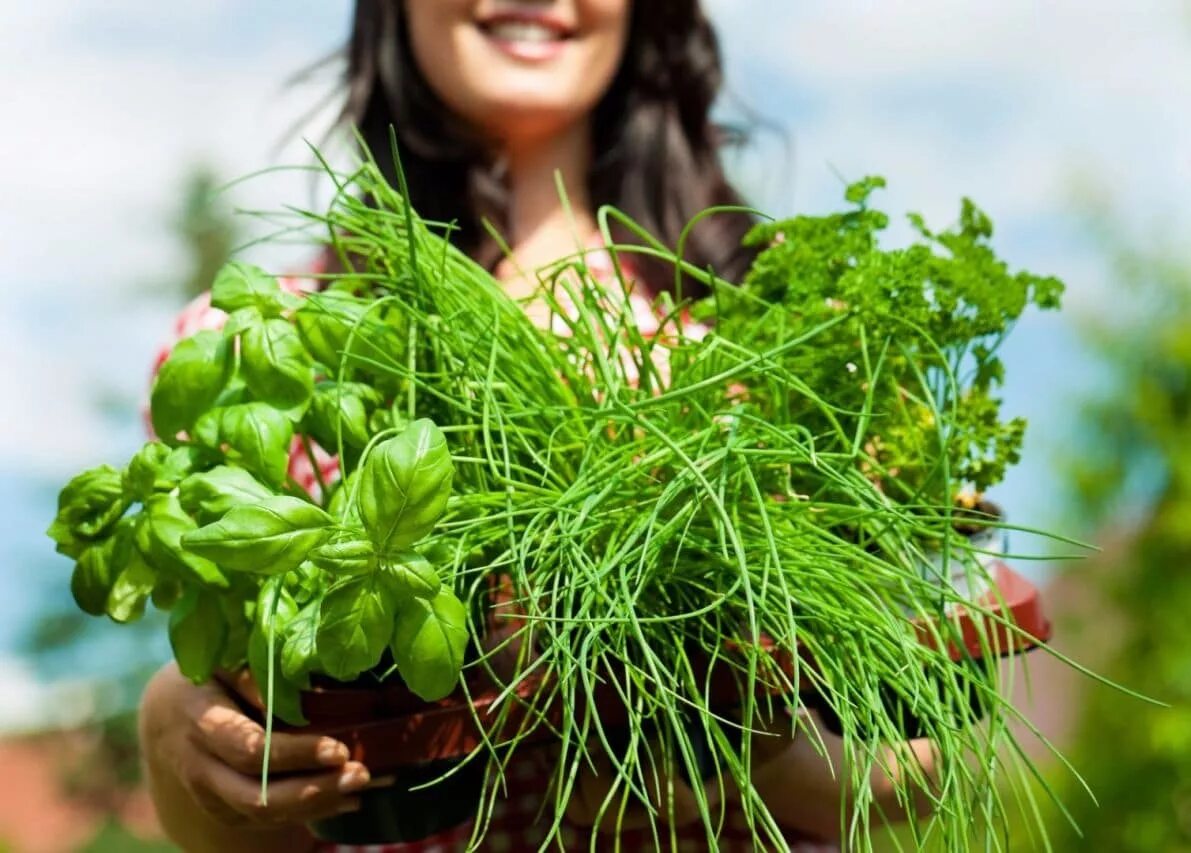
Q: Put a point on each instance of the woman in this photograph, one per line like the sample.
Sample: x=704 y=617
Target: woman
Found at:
x=491 y=99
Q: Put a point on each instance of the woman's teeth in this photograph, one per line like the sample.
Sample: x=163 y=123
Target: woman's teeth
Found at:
x=523 y=32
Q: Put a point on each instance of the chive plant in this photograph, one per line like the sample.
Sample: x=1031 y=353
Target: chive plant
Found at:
x=758 y=502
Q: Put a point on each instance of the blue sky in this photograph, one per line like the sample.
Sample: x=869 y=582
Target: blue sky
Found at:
x=1015 y=103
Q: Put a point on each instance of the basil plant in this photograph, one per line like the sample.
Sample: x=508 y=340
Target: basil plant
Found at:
x=206 y=522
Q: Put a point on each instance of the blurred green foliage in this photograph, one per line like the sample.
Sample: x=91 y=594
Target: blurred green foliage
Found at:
x=63 y=638
x=1132 y=479
x=114 y=838
x=206 y=228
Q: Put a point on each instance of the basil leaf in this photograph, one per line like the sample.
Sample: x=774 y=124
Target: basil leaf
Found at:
x=238 y=286
x=88 y=507
x=93 y=576
x=209 y=495
x=404 y=486
x=235 y=393
x=275 y=365
x=160 y=542
x=392 y=417
x=241 y=320
x=428 y=644
x=255 y=436
x=325 y=322
x=271 y=537
x=189 y=382
x=410 y=574
x=298 y=655
x=336 y=406
x=166 y=593
x=274 y=609
x=349 y=556
x=198 y=634
x=340 y=507
x=134 y=580
x=306 y=582
x=355 y=624
x=141 y=473
x=239 y=626
x=158 y=468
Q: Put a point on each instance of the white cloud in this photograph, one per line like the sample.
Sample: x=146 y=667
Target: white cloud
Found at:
x=1007 y=102
x=100 y=129
x=29 y=705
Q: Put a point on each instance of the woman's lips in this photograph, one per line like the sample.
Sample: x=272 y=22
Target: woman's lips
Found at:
x=527 y=37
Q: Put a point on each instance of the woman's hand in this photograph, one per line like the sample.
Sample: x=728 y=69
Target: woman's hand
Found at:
x=673 y=801
x=204 y=759
x=806 y=790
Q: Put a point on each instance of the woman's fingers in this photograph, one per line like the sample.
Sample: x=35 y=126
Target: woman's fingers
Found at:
x=224 y=731
x=236 y=798
x=241 y=684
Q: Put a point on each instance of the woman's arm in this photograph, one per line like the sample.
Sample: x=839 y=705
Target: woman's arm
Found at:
x=803 y=790
x=203 y=759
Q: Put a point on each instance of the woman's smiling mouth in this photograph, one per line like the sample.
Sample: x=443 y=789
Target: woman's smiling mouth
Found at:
x=526 y=35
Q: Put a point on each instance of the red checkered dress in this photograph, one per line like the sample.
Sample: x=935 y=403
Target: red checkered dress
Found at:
x=518 y=820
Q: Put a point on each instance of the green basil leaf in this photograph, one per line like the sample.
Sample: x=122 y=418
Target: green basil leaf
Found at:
x=134 y=580
x=410 y=575
x=355 y=624
x=239 y=626
x=306 y=582
x=158 y=468
x=274 y=609
x=160 y=542
x=404 y=486
x=241 y=320
x=255 y=436
x=391 y=417
x=340 y=507
x=325 y=322
x=198 y=634
x=351 y=555
x=336 y=406
x=209 y=495
x=88 y=507
x=238 y=286
x=166 y=593
x=141 y=473
x=275 y=364
x=189 y=382
x=235 y=393
x=428 y=644
x=93 y=576
x=271 y=537
x=298 y=654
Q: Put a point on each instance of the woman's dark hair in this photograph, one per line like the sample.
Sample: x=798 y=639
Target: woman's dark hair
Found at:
x=655 y=146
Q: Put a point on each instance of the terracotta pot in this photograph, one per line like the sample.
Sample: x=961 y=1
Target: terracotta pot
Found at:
x=401 y=814
x=1012 y=598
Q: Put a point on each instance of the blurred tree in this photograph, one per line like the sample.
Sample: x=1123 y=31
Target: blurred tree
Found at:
x=1134 y=469
x=207 y=229
x=64 y=642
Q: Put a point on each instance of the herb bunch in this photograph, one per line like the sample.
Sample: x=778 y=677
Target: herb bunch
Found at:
x=663 y=507
x=916 y=345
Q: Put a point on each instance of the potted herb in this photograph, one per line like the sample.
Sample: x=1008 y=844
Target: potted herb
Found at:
x=207 y=523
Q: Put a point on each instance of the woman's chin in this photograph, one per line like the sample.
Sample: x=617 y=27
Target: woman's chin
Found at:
x=512 y=118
